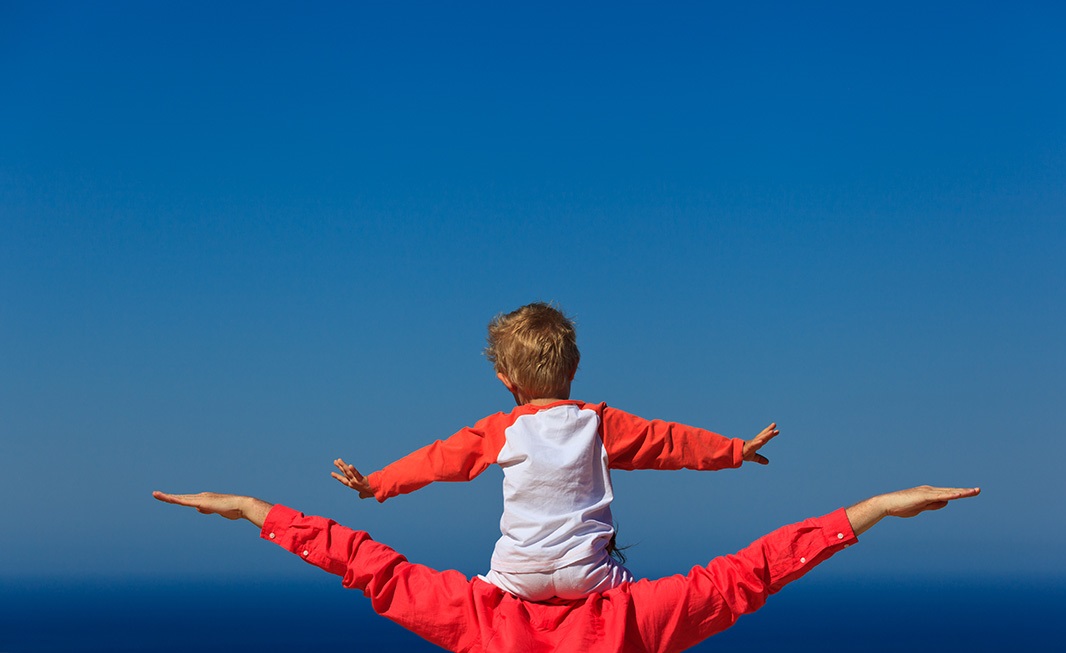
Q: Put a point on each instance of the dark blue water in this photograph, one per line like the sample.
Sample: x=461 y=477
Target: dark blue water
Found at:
x=50 y=616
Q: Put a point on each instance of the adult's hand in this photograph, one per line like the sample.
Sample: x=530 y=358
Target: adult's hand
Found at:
x=230 y=506
x=904 y=503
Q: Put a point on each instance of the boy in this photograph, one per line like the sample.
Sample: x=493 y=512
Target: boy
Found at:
x=556 y=528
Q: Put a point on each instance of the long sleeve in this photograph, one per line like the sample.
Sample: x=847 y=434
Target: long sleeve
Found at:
x=675 y=613
x=661 y=616
x=461 y=457
x=636 y=443
x=437 y=606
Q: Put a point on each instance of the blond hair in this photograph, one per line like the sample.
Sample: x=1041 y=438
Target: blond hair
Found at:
x=536 y=348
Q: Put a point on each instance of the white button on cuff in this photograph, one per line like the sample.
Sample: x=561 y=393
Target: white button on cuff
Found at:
x=840 y=536
x=803 y=560
x=271 y=536
x=307 y=553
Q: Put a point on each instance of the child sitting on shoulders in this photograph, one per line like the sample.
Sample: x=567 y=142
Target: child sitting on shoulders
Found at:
x=556 y=455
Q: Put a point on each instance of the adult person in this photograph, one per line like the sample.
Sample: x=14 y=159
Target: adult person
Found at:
x=667 y=614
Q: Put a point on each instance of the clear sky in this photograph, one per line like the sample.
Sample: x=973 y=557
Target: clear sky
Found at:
x=239 y=241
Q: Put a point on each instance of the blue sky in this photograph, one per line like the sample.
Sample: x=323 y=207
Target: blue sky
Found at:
x=237 y=242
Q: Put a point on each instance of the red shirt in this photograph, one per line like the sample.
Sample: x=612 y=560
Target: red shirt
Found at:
x=461 y=614
x=556 y=462
x=630 y=442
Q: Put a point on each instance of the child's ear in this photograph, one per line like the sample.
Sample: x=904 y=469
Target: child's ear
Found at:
x=507 y=382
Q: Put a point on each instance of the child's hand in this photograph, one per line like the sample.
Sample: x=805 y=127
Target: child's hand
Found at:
x=752 y=446
x=351 y=477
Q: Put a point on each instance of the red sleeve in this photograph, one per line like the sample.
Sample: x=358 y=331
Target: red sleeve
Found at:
x=675 y=613
x=662 y=616
x=459 y=458
x=636 y=443
x=438 y=606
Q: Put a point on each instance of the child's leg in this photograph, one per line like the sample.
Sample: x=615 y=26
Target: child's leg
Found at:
x=571 y=582
x=580 y=580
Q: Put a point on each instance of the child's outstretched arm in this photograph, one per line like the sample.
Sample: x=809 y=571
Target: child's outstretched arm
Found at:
x=351 y=477
x=636 y=443
x=460 y=457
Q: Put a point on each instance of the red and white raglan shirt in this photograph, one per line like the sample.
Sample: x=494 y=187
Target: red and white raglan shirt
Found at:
x=557 y=485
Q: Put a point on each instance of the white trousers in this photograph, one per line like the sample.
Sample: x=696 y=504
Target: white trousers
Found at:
x=571 y=582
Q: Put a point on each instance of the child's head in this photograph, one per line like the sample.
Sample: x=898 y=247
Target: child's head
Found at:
x=536 y=348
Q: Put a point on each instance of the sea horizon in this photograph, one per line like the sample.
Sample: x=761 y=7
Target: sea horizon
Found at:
x=142 y=614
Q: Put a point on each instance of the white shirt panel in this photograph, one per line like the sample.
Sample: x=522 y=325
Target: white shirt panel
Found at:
x=556 y=491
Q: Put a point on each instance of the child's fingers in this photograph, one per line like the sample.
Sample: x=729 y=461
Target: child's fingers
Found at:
x=768 y=433
x=345 y=480
x=353 y=473
x=349 y=470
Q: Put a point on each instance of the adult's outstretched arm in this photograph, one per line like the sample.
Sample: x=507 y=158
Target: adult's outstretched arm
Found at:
x=675 y=613
x=438 y=606
x=668 y=614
